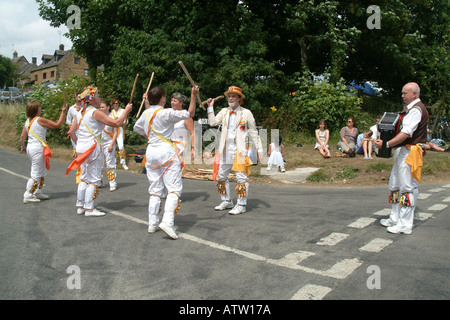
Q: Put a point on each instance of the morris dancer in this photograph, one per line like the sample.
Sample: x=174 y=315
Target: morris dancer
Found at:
x=163 y=166
x=37 y=149
x=115 y=114
x=184 y=128
x=237 y=124
x=406 y=171
x=88 y=126
x=109 y=137
x=73 y=110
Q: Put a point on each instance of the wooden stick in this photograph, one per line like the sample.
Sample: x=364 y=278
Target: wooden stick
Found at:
x=192 y=82
x=215 y=99
x=148 y=88
x=134 y=87
x=65 y=96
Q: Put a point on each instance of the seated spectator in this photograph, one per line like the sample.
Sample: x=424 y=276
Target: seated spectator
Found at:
x=322 y=137
x=348 y=134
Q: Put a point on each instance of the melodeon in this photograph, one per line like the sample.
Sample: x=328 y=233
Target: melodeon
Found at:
x=388 y=129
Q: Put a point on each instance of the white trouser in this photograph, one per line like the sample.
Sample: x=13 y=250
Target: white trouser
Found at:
x=38 y=169
x=168 y=176
x=91 y=173
x=120 y=143
x=110 y=162
x=226 y=163
x=401 y=180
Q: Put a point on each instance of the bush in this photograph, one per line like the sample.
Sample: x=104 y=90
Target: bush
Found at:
x=315 y=100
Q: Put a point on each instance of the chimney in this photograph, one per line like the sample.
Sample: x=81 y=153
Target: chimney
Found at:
x=61 y=47
x=15 y=54
x=34 y=60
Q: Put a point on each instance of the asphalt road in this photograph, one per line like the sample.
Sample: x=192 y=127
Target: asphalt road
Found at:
x=293 y=243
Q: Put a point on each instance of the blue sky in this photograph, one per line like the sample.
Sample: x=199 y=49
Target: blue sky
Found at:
x=23 y=30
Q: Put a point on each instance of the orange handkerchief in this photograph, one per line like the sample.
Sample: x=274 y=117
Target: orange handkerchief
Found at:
x=414 y=159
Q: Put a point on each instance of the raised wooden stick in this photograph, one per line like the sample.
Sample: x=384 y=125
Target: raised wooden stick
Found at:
x=134 y=87
x=192 y=82
x=65 y=96
x=215 y=99
x=148 y=88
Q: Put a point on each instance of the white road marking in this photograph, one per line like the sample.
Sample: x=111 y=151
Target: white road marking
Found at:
x=446 y=199
x=332 y=239
x=446 y=186
x=438 y=207
x=361 y=223
x=15 y=174
x=311 y=292
x=421 y=216
x=423 y=196
x=436 y=190
x=383 y=212
x=376 y=245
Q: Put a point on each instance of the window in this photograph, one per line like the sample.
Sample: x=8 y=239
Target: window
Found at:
x=86 y=72
x=77 y=61
x=52 y=74
x=35 y=77
x=44 y=75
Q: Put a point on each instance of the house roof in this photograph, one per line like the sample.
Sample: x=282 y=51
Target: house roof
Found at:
x=54 y=60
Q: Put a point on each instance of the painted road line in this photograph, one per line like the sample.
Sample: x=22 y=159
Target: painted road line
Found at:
x=423 y=196
x=383 y=212
x=436 y=190
x=332 y=239
x=422 y=216
x=446 y=186
x=361 y=223
x=15 y=174
x=446 y=199
x=438 y=207
x=311 y=292
x=376 y=245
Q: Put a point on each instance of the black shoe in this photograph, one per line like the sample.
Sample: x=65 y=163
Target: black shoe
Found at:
x=299 y=145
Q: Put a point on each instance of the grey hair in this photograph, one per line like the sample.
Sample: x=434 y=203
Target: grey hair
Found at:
x=179 y=97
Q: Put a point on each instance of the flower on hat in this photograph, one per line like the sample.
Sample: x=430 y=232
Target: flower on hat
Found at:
x=236 y=90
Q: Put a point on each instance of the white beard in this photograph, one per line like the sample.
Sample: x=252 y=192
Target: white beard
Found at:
x=232 y=104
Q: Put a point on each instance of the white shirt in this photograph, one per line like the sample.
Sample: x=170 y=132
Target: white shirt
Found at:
x=231 y=134
x=411 y=119
x=85 y=137
x=71 y=114
x=39 y=130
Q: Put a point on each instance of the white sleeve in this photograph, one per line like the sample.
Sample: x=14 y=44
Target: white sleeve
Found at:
x=411 y=121
x=139 y=126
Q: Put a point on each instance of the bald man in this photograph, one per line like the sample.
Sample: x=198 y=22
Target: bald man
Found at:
x=411 y=133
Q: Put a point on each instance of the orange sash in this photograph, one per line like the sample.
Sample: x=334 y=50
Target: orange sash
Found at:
x=80 y=159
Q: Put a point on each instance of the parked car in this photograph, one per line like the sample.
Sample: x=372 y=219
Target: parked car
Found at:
x=13 y=94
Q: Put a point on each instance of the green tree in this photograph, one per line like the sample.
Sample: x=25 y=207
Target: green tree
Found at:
x=7 y=72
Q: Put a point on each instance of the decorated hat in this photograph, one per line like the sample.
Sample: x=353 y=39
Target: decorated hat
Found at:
x=236 y=90
x=87 y=95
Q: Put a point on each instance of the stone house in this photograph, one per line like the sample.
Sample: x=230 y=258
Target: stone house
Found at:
x=61 y=65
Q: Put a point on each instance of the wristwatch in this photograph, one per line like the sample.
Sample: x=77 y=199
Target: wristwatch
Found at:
x=387 y=144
